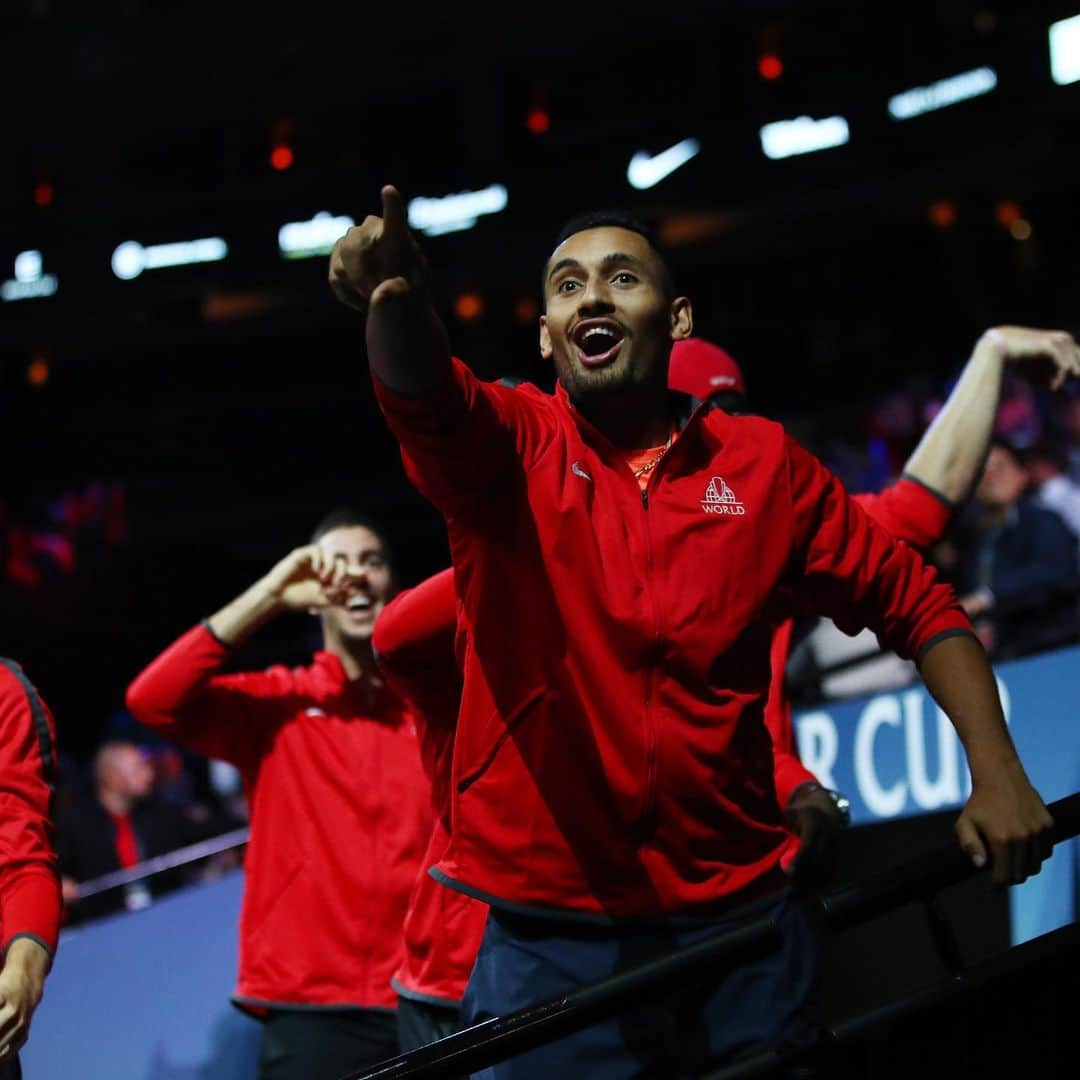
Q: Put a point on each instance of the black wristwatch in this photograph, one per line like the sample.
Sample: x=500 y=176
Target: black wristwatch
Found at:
x=839 y=800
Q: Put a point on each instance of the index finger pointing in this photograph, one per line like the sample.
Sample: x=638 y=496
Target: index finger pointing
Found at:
x=395 y=220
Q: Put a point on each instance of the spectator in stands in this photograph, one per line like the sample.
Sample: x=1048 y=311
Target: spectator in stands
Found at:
x=1052 y=487
x=1019 y=568
x=340 y=807
x=937 y=478
x=29 y=892
x=1070 y=419
x=117 y=825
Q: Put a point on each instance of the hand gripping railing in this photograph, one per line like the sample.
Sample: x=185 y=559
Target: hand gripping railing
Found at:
x=502 y=1037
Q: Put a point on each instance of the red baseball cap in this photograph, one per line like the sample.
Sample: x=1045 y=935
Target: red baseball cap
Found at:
x=700 y=368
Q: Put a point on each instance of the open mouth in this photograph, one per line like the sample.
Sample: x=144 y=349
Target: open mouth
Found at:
x=358 y=605
x=598 y=341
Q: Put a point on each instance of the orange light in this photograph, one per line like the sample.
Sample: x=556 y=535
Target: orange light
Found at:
x=1020 y=229
x=281 y=158
x=526 y=310
x=469 y=306
x=538 y=121
x=770 y=67
x=37 y=373
x=1006 y=213
x=943 y=214
x=43 y=194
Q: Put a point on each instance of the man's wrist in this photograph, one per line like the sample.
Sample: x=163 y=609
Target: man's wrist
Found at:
x=29 y=956
x=813 y=793
x=992 y=765
x=236 y=621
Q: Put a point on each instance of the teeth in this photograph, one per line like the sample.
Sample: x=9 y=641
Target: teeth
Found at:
x=594 y=330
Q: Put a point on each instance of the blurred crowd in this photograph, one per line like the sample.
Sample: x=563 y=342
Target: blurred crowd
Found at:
x=137 y=799
x=1012 y=551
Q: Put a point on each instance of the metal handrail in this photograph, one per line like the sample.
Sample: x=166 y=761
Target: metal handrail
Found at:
x=501 y=1037
x=116 y=879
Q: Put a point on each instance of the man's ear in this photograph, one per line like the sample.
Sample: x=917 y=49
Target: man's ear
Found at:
x=546 y=351
x=682 y=318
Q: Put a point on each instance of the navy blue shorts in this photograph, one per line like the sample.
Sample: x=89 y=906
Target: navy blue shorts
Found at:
x=771 y=1003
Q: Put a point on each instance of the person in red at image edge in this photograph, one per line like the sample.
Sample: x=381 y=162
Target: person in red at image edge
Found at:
x=29 y=880
x=340 y=805
x=612 y=776
x=414 y=645
x=917 y=508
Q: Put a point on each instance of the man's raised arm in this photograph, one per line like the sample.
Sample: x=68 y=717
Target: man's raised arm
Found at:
x=951 y=453
x=377 y=267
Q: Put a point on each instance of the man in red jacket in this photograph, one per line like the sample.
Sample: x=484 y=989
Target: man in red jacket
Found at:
x=340 y=806
x=414 y=643
x=621 y=567
x=29 y=882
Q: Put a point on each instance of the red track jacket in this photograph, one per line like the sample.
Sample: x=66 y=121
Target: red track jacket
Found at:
x=908 y=511
x=611 y=756
x=340 y=816
x=414 y=641
x=29 y=883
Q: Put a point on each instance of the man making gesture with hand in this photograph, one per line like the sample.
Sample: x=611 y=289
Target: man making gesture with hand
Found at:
x=621 y=562
x=340 y=808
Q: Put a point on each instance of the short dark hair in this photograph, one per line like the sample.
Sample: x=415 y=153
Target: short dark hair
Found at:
x=1046 y=450
x=615 y=219
x=999 y=442
x=348 y=517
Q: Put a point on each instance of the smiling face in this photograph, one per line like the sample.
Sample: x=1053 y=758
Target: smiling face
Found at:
x=369 y=583
x=610 y=320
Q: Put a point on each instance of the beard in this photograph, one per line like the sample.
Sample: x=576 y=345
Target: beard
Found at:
x=609 y=385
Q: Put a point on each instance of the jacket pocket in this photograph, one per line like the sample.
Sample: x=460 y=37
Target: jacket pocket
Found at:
x=517 y=715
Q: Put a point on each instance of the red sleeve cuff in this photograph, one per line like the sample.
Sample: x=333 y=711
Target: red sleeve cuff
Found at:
x=31 y=908
x=789 y=774
x=909 y=510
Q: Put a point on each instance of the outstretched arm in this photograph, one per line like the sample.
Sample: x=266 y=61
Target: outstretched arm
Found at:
x=952 y=451
x=377 y=266
x=854 y=573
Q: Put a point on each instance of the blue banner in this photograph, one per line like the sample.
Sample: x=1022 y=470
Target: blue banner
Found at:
x=144 y=995
x=896 y=754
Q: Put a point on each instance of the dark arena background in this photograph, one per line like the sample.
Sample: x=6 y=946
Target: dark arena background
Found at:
x=850 y=193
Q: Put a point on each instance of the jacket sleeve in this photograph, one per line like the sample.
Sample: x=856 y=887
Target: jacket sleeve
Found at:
x=849 y=568
x=459 y=441
x=910 y=511
x=29 y=882
x=414 y=643
x=184 y=697
x=788 y=771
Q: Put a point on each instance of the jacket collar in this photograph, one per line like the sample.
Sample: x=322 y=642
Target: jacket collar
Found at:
x=681 y=407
